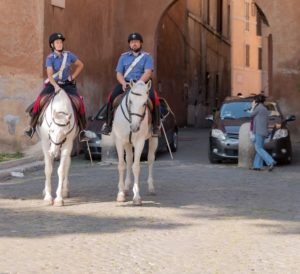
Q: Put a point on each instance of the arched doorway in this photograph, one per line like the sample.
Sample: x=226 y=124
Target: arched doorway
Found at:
x=193 y=58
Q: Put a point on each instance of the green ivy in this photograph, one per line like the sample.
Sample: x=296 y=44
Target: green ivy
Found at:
x=10 y=156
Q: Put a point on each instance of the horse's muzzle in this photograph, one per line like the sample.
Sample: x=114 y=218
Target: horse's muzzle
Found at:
x=134 y=128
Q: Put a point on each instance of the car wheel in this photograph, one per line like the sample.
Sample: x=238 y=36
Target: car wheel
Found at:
x=212 y=158
x=286 y=161
x=174 y=143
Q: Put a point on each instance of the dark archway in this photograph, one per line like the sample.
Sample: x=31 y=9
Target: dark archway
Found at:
x=193 y=58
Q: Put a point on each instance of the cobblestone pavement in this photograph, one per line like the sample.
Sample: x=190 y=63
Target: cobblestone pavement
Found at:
x=204 y=219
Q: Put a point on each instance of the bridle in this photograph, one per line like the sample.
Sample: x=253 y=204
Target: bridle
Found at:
x=58 y=124
x=130 y=114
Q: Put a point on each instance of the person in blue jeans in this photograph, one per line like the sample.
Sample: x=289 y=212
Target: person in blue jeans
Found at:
x=260 y=116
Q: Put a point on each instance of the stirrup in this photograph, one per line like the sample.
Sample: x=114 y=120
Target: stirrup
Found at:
x=29 y=132
x=83 y=136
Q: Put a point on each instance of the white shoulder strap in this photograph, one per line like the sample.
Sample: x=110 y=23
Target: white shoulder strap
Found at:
x=61 y=69
x=133 y=64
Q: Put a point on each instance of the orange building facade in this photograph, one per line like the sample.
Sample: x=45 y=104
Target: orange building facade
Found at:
x=249 y=49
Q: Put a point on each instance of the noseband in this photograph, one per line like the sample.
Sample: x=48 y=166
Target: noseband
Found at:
x=142 y=116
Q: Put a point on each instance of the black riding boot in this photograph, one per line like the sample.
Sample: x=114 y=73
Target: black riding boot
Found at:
x=156 y=121
x=82 y=121
x=109 y=119
x=32 y=125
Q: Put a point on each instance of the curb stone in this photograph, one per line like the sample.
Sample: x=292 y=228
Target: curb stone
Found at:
x=23 y=165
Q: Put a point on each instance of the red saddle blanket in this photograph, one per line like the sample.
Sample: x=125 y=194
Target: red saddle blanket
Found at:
x=42 y=101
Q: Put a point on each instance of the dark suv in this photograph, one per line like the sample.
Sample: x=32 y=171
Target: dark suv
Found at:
x=226 y=122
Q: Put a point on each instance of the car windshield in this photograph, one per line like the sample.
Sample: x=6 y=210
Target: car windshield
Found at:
x=238 y=110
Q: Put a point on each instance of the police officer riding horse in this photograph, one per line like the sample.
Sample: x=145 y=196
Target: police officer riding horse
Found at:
x=60 y=76
x=133 y=65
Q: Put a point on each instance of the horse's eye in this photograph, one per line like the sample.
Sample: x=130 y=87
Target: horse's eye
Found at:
x=130 y=102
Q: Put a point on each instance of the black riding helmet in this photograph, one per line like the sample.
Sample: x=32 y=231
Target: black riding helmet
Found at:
x=55 y=36
x=135 y=36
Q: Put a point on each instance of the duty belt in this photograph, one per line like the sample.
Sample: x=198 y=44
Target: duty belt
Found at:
x=60 y=82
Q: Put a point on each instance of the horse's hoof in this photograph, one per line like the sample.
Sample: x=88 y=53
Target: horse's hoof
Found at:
x=151 y=191
x=48 y=202
x=121 y=197
x=58 y=203
x=137 y=202
x=66 y=194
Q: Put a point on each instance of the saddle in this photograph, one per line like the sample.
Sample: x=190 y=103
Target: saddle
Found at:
x=42 y=102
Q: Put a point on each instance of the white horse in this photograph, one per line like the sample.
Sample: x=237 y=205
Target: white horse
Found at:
x=130 y=129
x=57 y=132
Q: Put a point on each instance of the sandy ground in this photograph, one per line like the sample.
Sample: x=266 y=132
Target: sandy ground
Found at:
x=204 y=219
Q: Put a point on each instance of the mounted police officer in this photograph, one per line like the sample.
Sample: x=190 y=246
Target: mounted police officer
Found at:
x=58 y=66
x=135 y=65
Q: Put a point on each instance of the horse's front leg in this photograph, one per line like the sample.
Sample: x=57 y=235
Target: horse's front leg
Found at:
x=138 y=148
x=121 y=167
x=65 y=185
x=153 y=142
x=48 y=200
x=129 y=160
x=62 y=173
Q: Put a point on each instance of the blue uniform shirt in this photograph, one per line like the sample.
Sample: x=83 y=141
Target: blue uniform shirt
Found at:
x=136 y=73
x=54 y=61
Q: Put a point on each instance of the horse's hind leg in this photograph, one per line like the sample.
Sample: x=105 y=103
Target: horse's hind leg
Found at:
x=48 y=171
x=138 y=148
x=121 y=166
x=129 y=160
x=153 y=142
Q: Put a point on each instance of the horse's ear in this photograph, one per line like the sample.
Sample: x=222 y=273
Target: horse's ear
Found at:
x=149 y=84
x=131 y=84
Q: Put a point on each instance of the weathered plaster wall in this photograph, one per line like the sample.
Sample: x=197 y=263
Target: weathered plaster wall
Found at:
x=90 y=28
x=21 y=58
x=284 y=20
